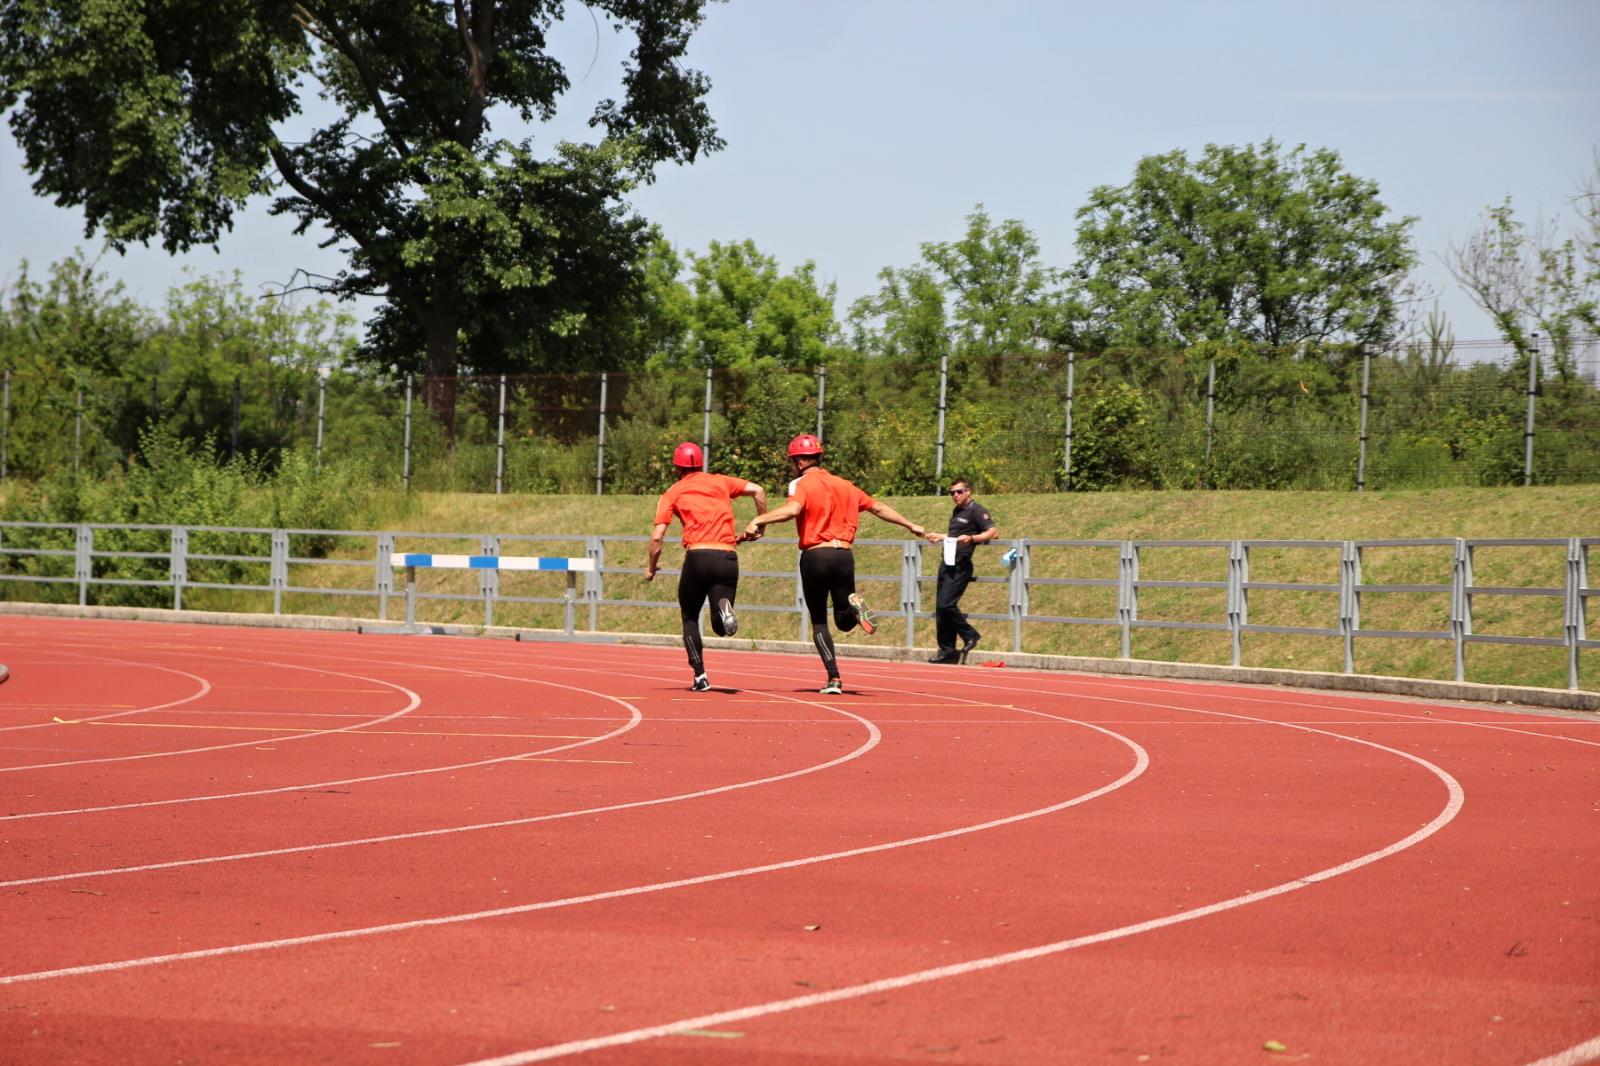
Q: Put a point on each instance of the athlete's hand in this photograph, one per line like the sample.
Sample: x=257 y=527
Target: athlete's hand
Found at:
x=918 y=532
x=752 y=532
x=933 y=538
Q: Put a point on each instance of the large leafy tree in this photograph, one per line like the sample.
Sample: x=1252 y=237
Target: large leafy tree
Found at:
x=738 y=310
x=161 y=118
x=985 y=294
x=1252 y=245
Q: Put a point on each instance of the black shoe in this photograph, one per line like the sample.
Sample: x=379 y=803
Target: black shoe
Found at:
x=968 y=645
x=946 y=657
x=701 y=684
x=832 y=688
x=730 y=622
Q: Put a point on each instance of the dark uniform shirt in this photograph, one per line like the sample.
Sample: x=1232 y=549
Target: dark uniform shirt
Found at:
x=970 y=518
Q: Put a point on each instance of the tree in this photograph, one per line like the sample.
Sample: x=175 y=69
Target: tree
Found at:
x=737 y=311
x=985 y=294
x=161 y=118
x=1252 y=245
x=1534 y=279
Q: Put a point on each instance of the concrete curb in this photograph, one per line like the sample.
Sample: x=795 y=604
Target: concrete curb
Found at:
x=1466 y=691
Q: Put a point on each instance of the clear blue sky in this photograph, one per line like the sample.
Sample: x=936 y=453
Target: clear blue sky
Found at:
x=858 y=129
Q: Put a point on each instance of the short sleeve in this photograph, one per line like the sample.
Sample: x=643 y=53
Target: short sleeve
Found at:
x=664 y=510
x=863 y=501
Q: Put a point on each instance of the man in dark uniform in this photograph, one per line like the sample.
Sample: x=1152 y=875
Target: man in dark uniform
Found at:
x=970 y=524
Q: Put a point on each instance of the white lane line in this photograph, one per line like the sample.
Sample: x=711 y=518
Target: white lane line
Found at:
x=1588 y=1051
x=204 y=689
x=874 y=735
x=413 y=701
x=1140 y=764
x=1452 y=807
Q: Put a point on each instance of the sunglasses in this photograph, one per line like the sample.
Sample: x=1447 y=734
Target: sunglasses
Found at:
x=960 y=492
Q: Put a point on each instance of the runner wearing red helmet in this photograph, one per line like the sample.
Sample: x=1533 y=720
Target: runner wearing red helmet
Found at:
x=826 y=509
x=703 y=503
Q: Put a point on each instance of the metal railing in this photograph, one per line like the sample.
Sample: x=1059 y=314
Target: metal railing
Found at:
x=55 y=554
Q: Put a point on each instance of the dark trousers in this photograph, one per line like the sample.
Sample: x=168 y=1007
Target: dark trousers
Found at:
x=951 y=621
x=707 y=573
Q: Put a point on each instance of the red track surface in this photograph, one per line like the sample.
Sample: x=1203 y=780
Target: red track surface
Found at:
x=272 y=846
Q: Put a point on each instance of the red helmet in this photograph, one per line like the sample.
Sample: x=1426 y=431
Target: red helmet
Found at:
x=688 y=454
x=805 y=444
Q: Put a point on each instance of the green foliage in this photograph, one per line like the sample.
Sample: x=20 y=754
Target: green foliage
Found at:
x=1252 y=245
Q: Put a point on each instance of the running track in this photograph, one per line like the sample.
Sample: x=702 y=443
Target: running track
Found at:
x=252 y=846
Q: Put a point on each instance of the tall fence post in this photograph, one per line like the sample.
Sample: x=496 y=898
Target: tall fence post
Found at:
x=822 y=391
x=500 y=443
x=405 y=457
x=77 y=432
x=1066 y=459
x=1361 y=440
x=322 y=407
x=938 y=457
x=5 y=424
x=155 y=397
x=1211 y=406
x=1527 y=433
x=600 y=448
x=705 y=435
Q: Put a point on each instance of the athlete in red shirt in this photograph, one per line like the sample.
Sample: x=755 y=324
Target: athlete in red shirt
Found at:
x=826 y=509
x=703 y=503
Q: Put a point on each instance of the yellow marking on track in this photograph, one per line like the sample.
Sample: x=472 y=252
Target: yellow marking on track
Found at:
x=301 y=729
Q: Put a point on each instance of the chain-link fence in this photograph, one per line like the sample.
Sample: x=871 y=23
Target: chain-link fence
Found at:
x=1470 y=414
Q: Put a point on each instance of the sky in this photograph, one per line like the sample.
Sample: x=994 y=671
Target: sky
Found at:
x=857 y=130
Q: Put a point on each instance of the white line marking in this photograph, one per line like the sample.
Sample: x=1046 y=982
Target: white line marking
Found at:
x=707 y=1021
x=1141 y=763
x=1588 y=1051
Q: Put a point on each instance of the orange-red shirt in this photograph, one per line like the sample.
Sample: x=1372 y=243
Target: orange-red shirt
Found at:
x=701 y=503
x=830 y=507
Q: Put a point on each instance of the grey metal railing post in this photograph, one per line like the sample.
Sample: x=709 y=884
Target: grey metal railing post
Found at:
x=1349 y=600
x=938 y=455
x=405 y=451
x=1066 y=463
x=1211 y=405
x=1527 y=433
x=5 y=424
x=600 y=446
x=705 y=435
x=500 y=443
x=322 y=407
x=1577 y=582
x=489 y=580
x=910 y=585
x=1461 y=604
x=279 y=568
x=594 y=589
x=178 y=567
x=1238 y=605
x=1361 y=443
x=83 y=565
x=383 y=570
x=822 y=391
x=1127 y=594
x=1017 y=593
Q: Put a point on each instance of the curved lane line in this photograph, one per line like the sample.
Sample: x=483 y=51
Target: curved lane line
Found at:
x=874 y=735
x=706 y=1021
x=1588 y=1051
x=205 y=687
x=1141 y=763
x=412 y=704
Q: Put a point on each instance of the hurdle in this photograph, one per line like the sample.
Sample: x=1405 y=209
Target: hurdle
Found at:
x=412 y=561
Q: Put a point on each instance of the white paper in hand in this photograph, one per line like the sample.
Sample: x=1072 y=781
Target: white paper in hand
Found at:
x=949 y=551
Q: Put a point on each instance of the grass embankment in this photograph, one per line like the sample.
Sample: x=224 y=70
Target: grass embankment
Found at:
x=768 y=572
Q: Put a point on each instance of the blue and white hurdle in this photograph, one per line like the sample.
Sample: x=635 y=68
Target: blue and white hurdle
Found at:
x=412 y=561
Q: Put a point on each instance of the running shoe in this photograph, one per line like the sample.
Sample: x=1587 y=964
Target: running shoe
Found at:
x=701 y=684
x=834 y=687
x=730 y=621
x=863 y=614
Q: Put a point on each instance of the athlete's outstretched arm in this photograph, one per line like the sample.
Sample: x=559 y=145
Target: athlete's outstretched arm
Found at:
x=782 y=513
x=658 y=537
x=889 y=514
